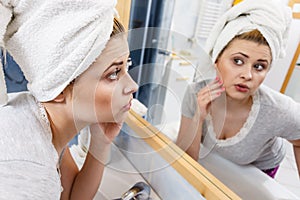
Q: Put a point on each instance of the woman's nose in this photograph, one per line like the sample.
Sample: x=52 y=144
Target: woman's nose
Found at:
x=246 y=73
x=131 y=85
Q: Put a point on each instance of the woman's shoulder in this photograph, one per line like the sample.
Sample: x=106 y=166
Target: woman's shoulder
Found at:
x=20 y=97
x=22 y=131
x=19 y=116
x=22 y=110
x=18 y=101
x=273 y=99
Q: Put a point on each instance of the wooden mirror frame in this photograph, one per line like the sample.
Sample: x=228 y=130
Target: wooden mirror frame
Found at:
x=123 y=8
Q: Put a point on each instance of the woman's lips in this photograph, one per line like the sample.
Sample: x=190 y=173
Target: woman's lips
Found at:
x=242 y=88
x=127 y=106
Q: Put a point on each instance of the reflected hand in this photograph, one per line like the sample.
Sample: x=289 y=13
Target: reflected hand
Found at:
x=207 y=95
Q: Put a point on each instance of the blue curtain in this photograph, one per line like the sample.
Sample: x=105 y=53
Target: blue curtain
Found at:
x=14 y=77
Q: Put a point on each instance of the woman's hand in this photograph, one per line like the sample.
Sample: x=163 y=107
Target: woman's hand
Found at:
x=207 y=95
x=106 y=131
x=102 y=135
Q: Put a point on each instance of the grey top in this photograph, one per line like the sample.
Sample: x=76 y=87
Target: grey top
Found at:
x=28 y=159
x=273 y=116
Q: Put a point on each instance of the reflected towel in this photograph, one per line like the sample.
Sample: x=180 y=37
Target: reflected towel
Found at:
x=270 y=17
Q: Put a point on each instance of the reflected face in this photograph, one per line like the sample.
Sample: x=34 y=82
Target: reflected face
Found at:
x=104 y=92
x=243 y=66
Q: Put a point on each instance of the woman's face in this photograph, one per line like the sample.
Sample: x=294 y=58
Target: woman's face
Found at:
x=242 y=67
x=104 y=92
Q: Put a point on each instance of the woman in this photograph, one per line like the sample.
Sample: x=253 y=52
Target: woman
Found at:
x=243 y=45
x=74 y=56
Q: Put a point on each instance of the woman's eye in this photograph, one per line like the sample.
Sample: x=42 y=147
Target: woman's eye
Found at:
x=259 y=67
x=114 y=75
x=129 y=63
x=238 y=61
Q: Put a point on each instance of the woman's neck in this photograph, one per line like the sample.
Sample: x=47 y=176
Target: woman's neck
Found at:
x=229 y=115
x=62 y=125
x=231 y=104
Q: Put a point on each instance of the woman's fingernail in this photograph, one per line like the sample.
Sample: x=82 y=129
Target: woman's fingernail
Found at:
x=217 y=78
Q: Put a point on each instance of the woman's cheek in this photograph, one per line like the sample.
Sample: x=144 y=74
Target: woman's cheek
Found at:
x=102 y=97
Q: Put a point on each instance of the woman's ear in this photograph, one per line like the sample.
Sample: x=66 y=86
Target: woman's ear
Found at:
x=60 y=98
x=65 y=94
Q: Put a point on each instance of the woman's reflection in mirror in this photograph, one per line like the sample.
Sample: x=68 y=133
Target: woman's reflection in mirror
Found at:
x=235 y=115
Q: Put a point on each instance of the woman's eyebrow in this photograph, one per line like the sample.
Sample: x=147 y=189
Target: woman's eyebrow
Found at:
x=263 y=60
x=243 y=54
x=114 y=64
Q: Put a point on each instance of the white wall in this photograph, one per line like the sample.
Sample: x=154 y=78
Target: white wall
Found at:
x=277 y=74
x=185 y=17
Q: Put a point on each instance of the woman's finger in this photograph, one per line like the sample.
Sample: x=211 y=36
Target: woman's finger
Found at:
x=215 y=84
x=210 y=87
x=207 y=96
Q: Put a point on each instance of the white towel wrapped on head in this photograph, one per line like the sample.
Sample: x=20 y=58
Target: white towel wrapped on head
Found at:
x=269 y=17
x=54 y=41
x=5 y=17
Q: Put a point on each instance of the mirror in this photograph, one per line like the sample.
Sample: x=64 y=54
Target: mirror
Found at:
x=290 y=85
x=155 y=156
x=168 y=67
x=159 y=127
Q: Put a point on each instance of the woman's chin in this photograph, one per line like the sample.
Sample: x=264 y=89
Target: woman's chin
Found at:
x=120 y=118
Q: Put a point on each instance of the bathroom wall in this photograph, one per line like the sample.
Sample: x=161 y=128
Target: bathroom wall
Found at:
x=186 y=15
x=292 y=88
x=277 y=74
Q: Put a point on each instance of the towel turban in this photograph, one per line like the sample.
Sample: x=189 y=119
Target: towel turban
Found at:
x=269 y=17
x=53 y=41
